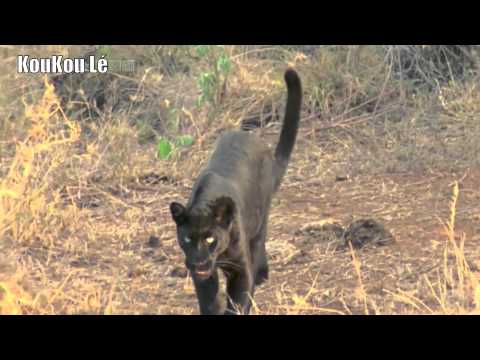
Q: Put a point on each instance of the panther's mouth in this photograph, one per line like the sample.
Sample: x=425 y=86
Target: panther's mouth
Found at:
x=203 y=275
x=203 y=271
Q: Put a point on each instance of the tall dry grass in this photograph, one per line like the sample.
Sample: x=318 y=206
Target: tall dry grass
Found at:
x=59 y=162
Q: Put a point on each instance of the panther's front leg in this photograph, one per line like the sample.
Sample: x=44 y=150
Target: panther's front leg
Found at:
x=207 y=294
x=240 y=288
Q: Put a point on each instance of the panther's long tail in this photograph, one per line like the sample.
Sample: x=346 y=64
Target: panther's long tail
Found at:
x=288 y=135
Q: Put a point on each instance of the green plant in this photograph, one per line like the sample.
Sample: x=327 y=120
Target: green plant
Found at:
x=173 y=120
x=104 y=50
x=212 y=83
x=166 y=148
x=184 y=141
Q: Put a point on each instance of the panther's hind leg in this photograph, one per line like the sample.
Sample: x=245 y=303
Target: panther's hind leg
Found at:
x=259 y=256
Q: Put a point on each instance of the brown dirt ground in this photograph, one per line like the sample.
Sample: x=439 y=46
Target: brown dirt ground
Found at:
x=307 y=275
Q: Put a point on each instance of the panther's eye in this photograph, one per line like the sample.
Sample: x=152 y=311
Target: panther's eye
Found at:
x=187 y=240
x=210 y=240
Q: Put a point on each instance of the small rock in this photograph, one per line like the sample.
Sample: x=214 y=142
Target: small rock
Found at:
x=179 y=272
x=342 y=178
x=366 y=231
x=153 y=242
x=160 y=259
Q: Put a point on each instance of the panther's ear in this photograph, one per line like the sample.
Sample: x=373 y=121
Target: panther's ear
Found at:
x=178 y=212
x=223 y=210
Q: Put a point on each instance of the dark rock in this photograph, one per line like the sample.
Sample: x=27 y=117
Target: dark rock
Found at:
x=153 y=242
x=160 y=259
x=179 y=272
x=367 y=231
x=155 y=179
x=342 y=178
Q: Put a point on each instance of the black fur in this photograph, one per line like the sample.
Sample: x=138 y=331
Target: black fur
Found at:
x=224 y=224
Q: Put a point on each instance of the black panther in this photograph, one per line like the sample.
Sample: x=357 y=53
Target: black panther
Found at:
x=224 y=225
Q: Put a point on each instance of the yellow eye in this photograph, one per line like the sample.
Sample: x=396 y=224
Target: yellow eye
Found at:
x=210 y=240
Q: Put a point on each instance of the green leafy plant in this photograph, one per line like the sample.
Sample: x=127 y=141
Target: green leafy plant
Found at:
x=184 y=141
x=173 y=120
x=166 y=148
x=213 y=82
x=208 y=84
x=104 y=50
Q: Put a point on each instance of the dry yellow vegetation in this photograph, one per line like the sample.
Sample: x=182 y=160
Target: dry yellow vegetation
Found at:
x=83 y=188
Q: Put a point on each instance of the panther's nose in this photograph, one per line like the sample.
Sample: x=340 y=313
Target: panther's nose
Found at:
x=202 y=265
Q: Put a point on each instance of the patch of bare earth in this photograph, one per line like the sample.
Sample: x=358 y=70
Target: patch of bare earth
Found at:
x=128 y=272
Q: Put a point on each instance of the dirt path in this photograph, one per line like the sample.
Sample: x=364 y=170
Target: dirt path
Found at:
x=307 y=275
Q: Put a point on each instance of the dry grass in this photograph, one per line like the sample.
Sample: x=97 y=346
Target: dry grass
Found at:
x=82 y=188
